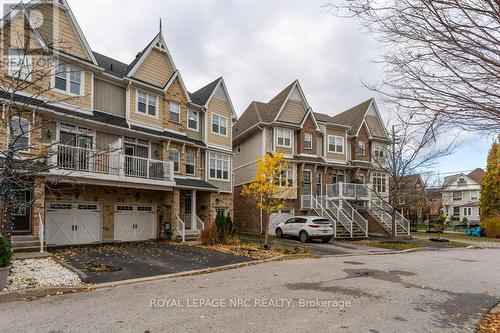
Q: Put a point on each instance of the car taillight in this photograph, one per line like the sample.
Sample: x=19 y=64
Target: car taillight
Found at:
x=314 y=225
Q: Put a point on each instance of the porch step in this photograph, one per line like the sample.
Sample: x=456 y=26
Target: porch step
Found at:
x=189 y=236
x=25 y=242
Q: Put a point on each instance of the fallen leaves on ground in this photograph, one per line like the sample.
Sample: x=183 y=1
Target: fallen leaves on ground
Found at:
x=490 y=323
x=249 y=250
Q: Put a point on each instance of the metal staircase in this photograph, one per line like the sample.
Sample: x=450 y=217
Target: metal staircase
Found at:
x=347 y=222
x=378 y=211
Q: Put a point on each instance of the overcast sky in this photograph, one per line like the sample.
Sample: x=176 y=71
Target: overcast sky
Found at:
x=258 y=46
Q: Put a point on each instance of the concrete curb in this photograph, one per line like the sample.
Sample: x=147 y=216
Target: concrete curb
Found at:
x=41 y=292
x=84 y=277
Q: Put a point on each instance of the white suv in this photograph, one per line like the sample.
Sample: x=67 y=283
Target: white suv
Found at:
x=306 y=228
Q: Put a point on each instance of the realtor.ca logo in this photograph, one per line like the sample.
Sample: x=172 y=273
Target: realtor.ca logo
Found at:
x=29 y=36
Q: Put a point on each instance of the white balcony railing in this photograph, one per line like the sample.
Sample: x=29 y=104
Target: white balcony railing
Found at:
x=348 y=190
x=111 y=163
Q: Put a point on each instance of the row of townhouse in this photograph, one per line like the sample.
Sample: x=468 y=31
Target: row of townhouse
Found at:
x=335 y=163
x=135 y=154
x=135 y=151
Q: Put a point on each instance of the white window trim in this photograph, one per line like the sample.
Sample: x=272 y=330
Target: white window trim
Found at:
x=178 y=161
x=311 y=141
x=30 y=66
x=197 y=129
x=68 y=92
x=210 y=154
x=363 y=144
x=212 y=122
x=29 y=134
x=194 y=166
x=147 y=104
x=277 y=137
x=170 y=111
x=328 y=144
x=477 y=195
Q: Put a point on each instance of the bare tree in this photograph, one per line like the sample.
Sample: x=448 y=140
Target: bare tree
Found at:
x=442 y=57
x=414 y=149
x=26 y=90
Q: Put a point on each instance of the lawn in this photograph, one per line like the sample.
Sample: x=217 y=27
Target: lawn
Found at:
x=458 y=236
x=399 y=246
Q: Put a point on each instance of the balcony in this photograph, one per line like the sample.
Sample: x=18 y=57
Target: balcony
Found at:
x=348 y=191
x=115 y=166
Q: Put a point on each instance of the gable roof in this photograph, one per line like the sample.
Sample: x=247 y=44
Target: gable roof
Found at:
x=477 y=175
x=259 y=112
x=202 y=95
x=158 y=41
x=353 y=117
x=410 y=181
x=111 y=66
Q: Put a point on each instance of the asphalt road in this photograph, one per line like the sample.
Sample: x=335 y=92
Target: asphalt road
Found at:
x=437 y=291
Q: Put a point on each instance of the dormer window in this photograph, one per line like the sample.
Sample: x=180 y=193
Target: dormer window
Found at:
x=68 y=80
x=146 y=103
x=284 y=138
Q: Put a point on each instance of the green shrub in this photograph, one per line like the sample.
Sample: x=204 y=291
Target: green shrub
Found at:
x=492 y=226
x=5 y=253
x=465 y=220
x=225 y=228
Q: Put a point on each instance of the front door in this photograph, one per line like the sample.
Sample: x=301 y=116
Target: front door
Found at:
x=21 y=222
x=306 y=188
x=188 y=211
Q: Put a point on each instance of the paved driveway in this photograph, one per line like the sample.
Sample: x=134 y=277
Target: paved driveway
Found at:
x=439 y=291
x=107 y=263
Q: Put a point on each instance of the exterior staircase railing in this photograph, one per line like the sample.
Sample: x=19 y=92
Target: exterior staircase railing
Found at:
x=199 y=223
x=384 y=217
x=41 y=232
x=339 y=214
x=180 y=226
x=356 y=216
x=310 y=202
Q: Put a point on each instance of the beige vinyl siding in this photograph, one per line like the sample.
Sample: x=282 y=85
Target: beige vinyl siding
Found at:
x=222 y=108
x=245 y=174
x=104 y=139
x=57 y=30
x=374 y=126
x=142 y=118
x=109 y=98
x=293 y=112
x=221 y=185
x=269 y=136
x=336 y=156
x=250 y=150
x=155 y=69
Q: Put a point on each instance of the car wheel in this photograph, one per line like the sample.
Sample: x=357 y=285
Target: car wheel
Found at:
x=303 y=236
x=326 y=240
x=279 y=233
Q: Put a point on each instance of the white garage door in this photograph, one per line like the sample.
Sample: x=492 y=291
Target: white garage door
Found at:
x=278 y=217
x=135 y=222
x=72 y=223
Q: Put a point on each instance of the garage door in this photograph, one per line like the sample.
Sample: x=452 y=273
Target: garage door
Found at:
x=276 y=218
x=72 y=223
x=135 y=222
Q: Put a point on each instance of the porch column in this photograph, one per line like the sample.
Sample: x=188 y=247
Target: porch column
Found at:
x=176 y=204
x=193 y=210
x=38 y=205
